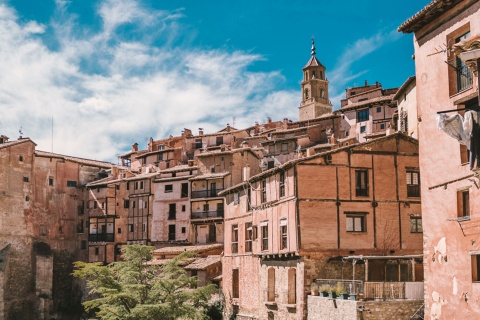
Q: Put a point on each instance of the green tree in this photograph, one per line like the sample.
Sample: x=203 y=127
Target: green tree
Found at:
x=135 y=289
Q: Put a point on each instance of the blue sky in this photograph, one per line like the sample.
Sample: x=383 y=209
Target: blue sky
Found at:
x=114 y=72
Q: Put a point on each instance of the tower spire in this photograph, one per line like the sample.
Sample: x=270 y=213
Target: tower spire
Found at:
x=313 y=47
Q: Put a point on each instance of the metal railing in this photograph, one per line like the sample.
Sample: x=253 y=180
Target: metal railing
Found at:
x=464 y=77
x=352 y=286
x=104 y=237
x=207 y=214
x=205 y=193
x=393 y=290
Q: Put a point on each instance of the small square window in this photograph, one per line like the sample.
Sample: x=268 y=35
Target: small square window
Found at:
x=379 y=109
x=20 y=158
x=119 y=230
x=416 y=225
x=356 y=223
x=168 y=187
x=71 y=183
x=363 y=129
x=130 y=228
x=26 y=179
x=50 y=181
x=382 y=126
x=184 y=229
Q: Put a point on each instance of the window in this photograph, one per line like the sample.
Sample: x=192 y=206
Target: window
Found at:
x=50 y=181
x=212 y=170
x=363 y=115
x=101 y=229
x=184 y=229
x=235 y=284
x=248 y=237
x=264 y=190
x=97 y=251
x=416 y=225
x=206 y=207
x=98 y=190
x=464 y=75
x=183 y=208
x=80 y=226
x=363 y=129
x=463 y=203
x=174 y=174
x=130 y=227
x=171 y=232
x=264 y=236
x=356 y=222
x=172 y=211
x=282 y=184
x=270 y=164
x=382 y=126
x=83 y=245
x=168 y=188
x=292 y=285
x=71 y=183
x=413 y=184
x=128 y=185
x=184 y=190
x=361 y=183
x=43 y=230
x=126 y=203
x=160 y=157
x=271 y=285
x=236 y=198
x=27 y=198
x=283 y=234
x=475 y=267
x=119 y=230
x=219 y=141
x=26 y=179
x=95 y=204
x=145 y=204
x=20 y=158
x=198 y=144
x=235 y=238
x=144 y=227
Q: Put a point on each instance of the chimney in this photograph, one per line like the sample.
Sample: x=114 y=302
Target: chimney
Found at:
x=269 y=120
x=3 y=139
x=376 y=84
x=332 y=140
x=150 y=144
x=135 y=147
x=366 y=83
x=200 y=131
x=228 y=127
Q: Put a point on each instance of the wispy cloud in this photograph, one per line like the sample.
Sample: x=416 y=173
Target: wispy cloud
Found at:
x=105 y=91
x=342 y=74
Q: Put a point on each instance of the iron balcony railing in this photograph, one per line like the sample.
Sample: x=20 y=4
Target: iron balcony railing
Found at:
x=352 y=286
x=207 y=214
x=103 y=237
x=464 y=77
x=205 y=193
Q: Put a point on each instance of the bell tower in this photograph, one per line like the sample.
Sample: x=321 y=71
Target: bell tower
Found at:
x=315 y=100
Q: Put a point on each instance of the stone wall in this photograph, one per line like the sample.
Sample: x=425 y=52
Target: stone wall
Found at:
x=326 y=309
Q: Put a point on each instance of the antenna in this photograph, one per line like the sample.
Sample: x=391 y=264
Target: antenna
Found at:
x=20 y=131
x=233 y=121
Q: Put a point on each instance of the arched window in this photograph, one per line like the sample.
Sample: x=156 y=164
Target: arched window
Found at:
x=271 y=285
x=321 y=74
x=292 y=285
x=306 y=94
x=322 y=93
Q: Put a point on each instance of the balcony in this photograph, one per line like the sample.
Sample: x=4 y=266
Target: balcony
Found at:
x=379 y=290
x=101 y=237
x=205 y=193
x=207 y=214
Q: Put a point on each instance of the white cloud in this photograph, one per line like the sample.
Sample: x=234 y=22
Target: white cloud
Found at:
x=342 y=75
x=105 y=92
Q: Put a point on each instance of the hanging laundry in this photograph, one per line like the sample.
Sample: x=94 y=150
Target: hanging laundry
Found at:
x=471 y=126
x=453 y=126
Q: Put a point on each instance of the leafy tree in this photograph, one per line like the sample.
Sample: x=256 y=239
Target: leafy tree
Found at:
x=134 y=289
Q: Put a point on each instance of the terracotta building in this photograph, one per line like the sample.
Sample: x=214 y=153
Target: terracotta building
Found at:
x=366 y=112
x=446 y=42
x=42 y=229
x=302 y=220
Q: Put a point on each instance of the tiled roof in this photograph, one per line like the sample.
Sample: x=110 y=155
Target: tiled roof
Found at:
x=13 y=143
x=146 y=154
x=427 y=15
x=203 y=263
x=179 y=249
x=88 y=162
x=313 y=62
x=359 y=104
x=208 y=176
